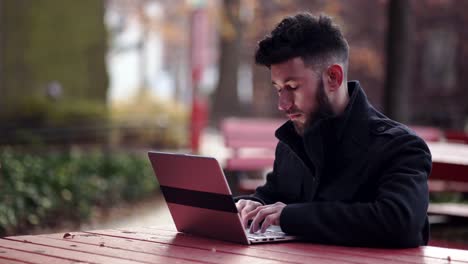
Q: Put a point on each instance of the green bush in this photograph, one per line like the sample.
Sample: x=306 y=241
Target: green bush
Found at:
x=35 y=111
x=37 y=120
x=143 y=121
x=43 y=189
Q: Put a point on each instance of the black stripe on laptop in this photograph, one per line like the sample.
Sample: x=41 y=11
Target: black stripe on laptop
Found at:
x=207 y=200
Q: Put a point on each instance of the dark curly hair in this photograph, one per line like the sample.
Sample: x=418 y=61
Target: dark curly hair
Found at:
x=317 y=40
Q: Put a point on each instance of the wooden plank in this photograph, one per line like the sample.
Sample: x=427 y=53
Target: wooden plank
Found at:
x=239 y=133
x=452 y=209
x=310 y=254
x=448 y=244
x=449 y=161
x=27 y=257
x=444 y=152
x=416 y=255
x=456 y=136
x=449 y=171
x=102 y=248
x=9 y=261
x=430 y=254
x=447 y=186
x=251 y=124
x=250 y=163
x=63 y=254
x=446 y=253
x=151 y=247
x=149 y=244
x=349 y=254
x=260 y=142
x=179 y=239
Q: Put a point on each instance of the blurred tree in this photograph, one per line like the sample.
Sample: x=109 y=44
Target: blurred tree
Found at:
x=398 y=60
x=264 y=99
x=266 y=15
x=52 y=48
x=1 y=56
x=225 y=98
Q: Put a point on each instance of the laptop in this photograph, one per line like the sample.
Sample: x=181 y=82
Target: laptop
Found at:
x=200 y=201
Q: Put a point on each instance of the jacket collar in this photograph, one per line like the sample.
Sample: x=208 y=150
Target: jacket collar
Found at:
x=354 y=120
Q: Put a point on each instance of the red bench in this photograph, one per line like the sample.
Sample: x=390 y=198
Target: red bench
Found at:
x=252 y=143
x=456 y=136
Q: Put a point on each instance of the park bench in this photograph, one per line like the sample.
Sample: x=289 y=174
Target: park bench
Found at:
x=251 y=143
x=456 y=136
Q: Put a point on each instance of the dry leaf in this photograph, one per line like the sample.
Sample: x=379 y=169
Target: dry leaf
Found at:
x=68 y=235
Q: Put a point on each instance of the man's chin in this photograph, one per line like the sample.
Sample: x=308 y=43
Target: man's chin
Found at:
x=299 y=127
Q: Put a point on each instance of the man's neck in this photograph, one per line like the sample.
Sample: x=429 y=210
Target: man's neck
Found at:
x=343 y=99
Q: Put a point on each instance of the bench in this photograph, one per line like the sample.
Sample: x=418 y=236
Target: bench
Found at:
x=251 y=143
x=456 y=136
x=449 y=174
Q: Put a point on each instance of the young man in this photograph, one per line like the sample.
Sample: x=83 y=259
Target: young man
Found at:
x=344 y=173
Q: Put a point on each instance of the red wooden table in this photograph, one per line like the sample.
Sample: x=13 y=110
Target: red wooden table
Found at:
x=165 y=245
x=449 y=161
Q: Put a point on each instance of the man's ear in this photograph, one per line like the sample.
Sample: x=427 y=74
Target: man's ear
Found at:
x=334 y=77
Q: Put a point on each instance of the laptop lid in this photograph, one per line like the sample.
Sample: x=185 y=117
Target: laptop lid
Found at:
x=198 y=196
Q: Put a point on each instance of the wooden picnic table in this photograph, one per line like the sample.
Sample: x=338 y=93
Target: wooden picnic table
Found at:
x=449 y=161
x=164 y=244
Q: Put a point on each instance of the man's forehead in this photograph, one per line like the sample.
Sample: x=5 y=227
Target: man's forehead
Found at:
x=294 y=63
x=293 y=69
x=292 y=76
x=286 y=80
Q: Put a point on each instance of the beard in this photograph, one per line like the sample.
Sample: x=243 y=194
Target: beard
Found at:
x=324 y=110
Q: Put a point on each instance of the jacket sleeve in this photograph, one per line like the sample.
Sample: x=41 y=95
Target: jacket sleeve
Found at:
x=395 y=218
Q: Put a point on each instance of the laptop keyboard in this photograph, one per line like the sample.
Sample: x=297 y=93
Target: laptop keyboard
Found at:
x=267 y=234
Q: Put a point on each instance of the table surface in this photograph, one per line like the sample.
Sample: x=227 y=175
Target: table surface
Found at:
x=163 y=244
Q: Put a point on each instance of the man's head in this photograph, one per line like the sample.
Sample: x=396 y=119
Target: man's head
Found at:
x=308 y=59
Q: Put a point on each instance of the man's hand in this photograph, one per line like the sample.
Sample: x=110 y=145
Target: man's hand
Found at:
x=267 y=215
x=244 y=207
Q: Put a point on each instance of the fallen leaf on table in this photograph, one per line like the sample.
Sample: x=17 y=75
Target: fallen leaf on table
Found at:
x=68 y=235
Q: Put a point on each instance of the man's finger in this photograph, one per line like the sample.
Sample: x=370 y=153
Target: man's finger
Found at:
x=240 y=205
x=262 y=213
x=251 y=214
x=268 y=222
x=248 y=213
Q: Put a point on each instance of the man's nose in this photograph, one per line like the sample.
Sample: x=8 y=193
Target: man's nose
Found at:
x=285 y=101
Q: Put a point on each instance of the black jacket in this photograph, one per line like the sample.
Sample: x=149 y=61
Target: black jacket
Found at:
x=358 y=179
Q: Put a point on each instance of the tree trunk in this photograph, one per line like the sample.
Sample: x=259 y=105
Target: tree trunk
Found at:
x=45 y=42
x=398 y=61
x=226 y=100
x=2 y=92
